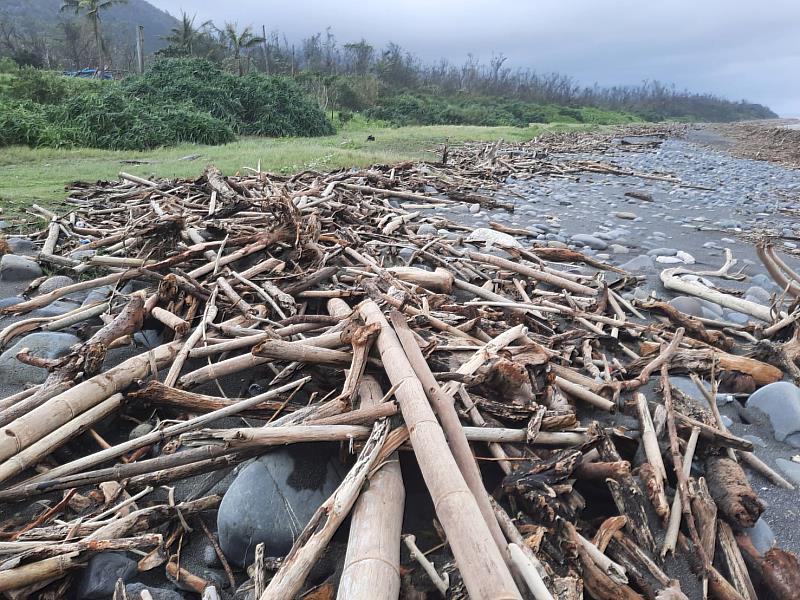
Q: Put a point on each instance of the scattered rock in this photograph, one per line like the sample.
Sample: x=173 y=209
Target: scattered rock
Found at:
x=696 y=307
x=490 y=237
x=134 y=591
x=638 y=264
x=273 y=498
x=140 y=430
x=18 y=268
x=625 y=215
x=101 y=574
x=474 y=208
x=761 y=535
x=790 y=469
x=780 y=401
x=56 y=282
x=662 y=252
x=22 y=246
x=43 y=345
x=618 y=249
x=589 y=240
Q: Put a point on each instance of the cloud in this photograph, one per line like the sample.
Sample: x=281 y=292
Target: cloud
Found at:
x=732 y=48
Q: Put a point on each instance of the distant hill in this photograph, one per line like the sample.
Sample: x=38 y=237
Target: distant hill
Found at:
x=119 y=21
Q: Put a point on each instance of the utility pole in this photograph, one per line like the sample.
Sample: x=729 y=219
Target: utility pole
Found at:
x=265 y=48
x=140 y=49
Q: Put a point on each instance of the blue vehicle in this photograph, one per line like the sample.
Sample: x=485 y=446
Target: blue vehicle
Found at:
x=92 y=73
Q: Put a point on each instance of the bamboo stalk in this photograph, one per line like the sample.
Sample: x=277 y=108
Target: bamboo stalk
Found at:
x=59 y=410
x=372 y=563
x=480 y=561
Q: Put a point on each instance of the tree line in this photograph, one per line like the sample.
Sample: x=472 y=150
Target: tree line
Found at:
x=357 y=75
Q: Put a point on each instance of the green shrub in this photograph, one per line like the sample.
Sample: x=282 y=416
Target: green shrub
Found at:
x=26 y=123
x=178 y=100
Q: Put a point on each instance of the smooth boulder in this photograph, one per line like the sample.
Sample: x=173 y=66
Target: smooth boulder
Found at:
x=18 y=268
x=780 y=401
x=42 y=345
x=273 y=498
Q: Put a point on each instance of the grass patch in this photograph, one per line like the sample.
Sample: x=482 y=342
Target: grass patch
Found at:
x=39 y=175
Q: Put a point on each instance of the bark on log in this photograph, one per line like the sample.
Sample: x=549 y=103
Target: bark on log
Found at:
x=736 y=499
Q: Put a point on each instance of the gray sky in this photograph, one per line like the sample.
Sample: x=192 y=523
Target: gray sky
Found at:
x=734 y=48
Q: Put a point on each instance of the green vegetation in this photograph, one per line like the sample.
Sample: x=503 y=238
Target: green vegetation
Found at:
x=39 y=174
x=177 y=101
x=430 y=109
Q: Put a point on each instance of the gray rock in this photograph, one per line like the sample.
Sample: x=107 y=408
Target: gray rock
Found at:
x=82 y=254
x=589 y=240
x=140 y=430
x=758 y=294
x=474 y=208
x=625 y=215
x=210 y=558
x=42 y=345
x=556 y=244
x=55 y=309
x=426 y=229
x=22 y=246
x=134 y=591
x=780 y=401
x=273 y=498
x=618 y=249
x=761 y=535
x=101 y=574
x=54 y=283
x=757 y=441
x=696 y=307
x=790 y=468
x=662 y=252
x=11 y=301
x=638 y=264
x=18 y=268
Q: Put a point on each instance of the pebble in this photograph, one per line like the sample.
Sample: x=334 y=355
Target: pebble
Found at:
x=18 y=268
x=589 y=240
x=140 y=430
x=761 y=535
x=53 y=283
x=638 y=264
x=490 y=237
x=42 y=345
x=618 y=249
x=791 y=469
x=625 y=215
x=22 y=246
x=696 y=307
x=662 y=252
x=101 y=573
x=780 y=401
x=134 y=592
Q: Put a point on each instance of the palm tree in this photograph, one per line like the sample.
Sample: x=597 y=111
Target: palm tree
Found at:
x=238 y=41
x=92 y=10
x=186 y=33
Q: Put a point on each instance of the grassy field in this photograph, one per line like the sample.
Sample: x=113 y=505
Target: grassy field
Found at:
x=39 y=175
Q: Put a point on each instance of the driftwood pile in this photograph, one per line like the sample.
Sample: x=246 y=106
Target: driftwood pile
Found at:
x=520 y=380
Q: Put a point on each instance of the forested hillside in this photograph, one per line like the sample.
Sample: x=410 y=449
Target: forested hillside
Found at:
x=38 y=31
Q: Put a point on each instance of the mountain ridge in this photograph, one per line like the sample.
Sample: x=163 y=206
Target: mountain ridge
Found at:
x=119 y=21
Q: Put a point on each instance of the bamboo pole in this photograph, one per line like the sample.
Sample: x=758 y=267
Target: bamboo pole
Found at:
x=372 y=562
x=485 y=573
x=59 y=410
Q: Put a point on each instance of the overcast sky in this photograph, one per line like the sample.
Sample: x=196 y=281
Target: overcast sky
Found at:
x=735 y=48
